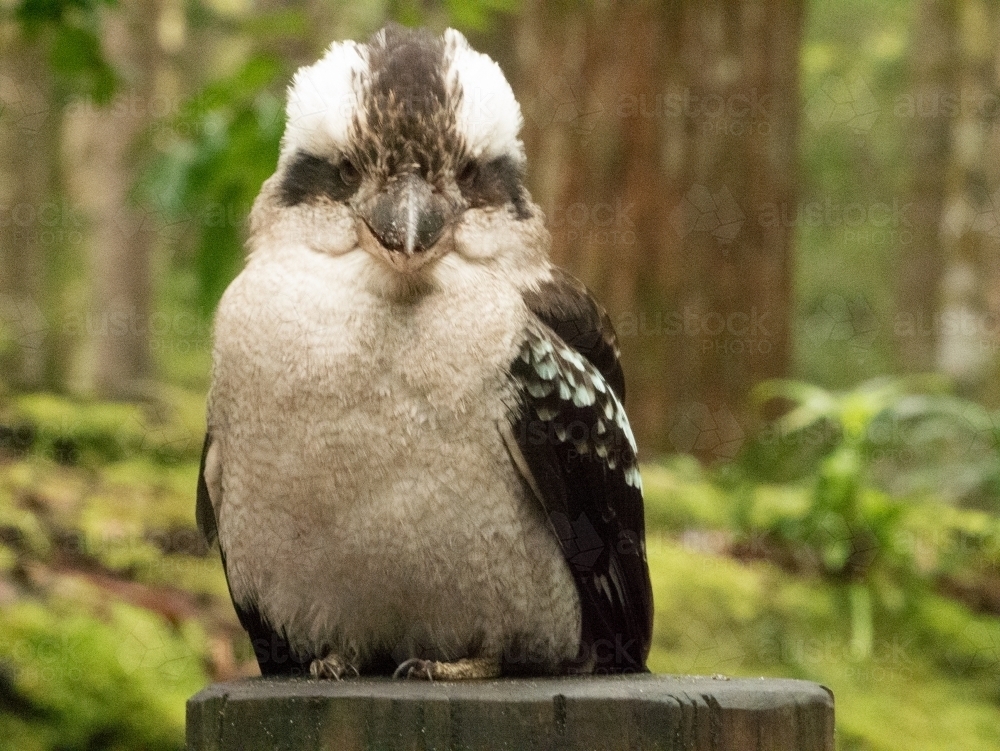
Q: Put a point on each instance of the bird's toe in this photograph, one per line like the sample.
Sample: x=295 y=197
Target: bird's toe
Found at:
x=416 y=668
x=464 y=669
x=332 y=667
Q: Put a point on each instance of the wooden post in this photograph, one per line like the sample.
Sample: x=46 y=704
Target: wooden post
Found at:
x=630 y=713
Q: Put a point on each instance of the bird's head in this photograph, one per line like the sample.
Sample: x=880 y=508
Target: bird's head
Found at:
x=405 y=147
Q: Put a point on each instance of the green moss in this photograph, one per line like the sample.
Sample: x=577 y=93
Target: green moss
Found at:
x=167 y=429
x=679 y=494
x=160 y=495
x=929 y=684
x=85 y=546
x=113 y=679
x=92 y=669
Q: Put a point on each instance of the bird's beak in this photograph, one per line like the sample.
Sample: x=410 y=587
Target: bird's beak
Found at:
x=407 y=219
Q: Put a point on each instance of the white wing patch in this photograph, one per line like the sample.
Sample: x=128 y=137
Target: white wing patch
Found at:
x=559 y=379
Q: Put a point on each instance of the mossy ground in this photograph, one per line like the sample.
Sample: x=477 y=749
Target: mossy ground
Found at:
x=114 y=612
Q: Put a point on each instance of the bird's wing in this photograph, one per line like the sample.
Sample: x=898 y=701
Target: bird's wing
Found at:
x=565 y=305
x=571 y=440
x=210 y=471
x=274 y=656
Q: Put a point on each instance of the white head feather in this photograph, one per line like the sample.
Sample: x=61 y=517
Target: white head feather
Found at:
x=323 y=100
x=488 y=117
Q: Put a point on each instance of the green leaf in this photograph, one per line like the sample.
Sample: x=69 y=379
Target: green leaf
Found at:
x=861 y=621
x=477 y=14
x=210 y=176
x=70 y=32
x=278 y=24
x=76 y=57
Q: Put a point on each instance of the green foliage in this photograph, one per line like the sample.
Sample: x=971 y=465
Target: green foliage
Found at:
x=33 y=13
x=70 y=32
x=65 y=659
x=209 y=177
x=109 y=597
x=844 y=518
x=853 y=219
x=953 y=451
x=830 y=503
x=92 y=434
x=905 y=436
x=738 y=592
x=929 y=681
x=848 y=530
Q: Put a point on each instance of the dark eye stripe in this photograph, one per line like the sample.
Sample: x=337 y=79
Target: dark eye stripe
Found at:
x=497 y=183
x=309 y=177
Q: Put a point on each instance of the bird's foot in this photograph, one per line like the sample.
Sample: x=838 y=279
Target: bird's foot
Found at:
x=432 y=670
x=332 y=666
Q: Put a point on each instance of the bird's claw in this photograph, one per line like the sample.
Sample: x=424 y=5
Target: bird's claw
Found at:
x=332 y=667
x=415 y=668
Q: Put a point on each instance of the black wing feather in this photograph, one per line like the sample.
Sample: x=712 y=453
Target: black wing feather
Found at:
x=575 y=441
x=565 y=305
x=203 y=511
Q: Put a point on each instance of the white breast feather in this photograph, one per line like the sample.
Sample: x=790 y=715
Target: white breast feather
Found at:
x=370 y=497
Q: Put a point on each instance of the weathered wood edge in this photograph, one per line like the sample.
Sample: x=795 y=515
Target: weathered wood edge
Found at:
x=628 y=712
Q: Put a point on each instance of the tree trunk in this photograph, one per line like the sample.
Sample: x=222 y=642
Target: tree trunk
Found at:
x=965 y=330
x=122 y=236
x=662 y=145
x=920 y=264
x=31 y=217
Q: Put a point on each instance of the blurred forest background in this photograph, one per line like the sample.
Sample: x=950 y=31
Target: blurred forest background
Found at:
x=791 y=210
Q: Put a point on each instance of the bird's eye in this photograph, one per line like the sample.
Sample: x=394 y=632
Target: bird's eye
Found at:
x=467 y=175
x=348 y=172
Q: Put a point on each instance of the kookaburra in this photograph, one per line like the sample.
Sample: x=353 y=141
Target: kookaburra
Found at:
x=417 y=459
